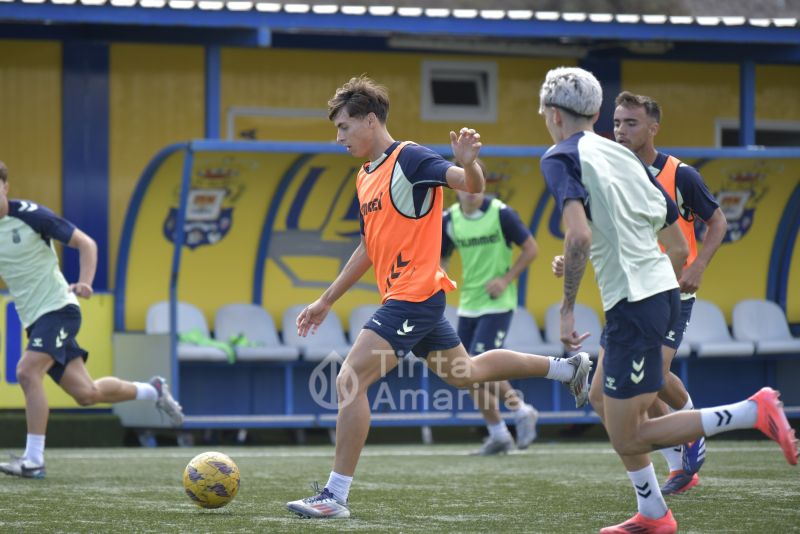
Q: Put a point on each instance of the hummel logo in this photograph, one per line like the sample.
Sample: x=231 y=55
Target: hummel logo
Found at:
x=37 y=342
x=394 y=272
x=60 y=338
x=24 y=205
x=498 y=340
x=610 y=383
x=643 y=490
x=671 y=335
x=15 y=236
x=723 y=417
x=406 y=328
x=480 y=347
x=637 y=366
x=377 y=322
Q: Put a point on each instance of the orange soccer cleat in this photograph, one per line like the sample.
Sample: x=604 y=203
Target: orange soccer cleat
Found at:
x=772 y=422
x=640 y=524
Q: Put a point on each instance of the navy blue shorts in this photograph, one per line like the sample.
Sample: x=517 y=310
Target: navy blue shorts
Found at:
x=676 y=333
x=479 y=334
x=632 y=339
x=418 y=327
x=54 y=333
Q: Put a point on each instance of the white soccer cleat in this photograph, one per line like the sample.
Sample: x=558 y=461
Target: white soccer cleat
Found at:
x=323 y=505
x=579 y=385
x=492 y=446
x=22 y=467
x=525 y=420
x=166 y=403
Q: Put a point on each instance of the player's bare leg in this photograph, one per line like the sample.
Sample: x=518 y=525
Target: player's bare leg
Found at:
x=370 y=358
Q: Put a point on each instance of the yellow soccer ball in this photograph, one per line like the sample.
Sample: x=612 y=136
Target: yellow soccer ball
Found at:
x=211 y=480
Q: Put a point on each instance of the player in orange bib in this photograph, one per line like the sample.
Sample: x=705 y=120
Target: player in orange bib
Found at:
x=637 y=119
x=400 y=198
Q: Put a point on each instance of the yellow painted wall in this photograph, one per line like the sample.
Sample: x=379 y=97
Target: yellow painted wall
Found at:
x=94 y=337
x=778 y=92
x=793 y=292
x=156 y=99
x=30 y=119
x=283 y=79
x=157 y=96
x=694 y=95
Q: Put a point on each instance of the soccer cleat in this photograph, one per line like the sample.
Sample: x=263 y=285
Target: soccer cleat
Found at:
x=679 y=482
x=772 y=422
x=165 y=401
x=579 y=385
x=492 y=446
x=693 y=454
x=323 y=505
x=525 y=420
x=22 y=467
x=640 y=524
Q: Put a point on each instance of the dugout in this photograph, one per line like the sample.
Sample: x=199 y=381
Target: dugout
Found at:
x=214 y=223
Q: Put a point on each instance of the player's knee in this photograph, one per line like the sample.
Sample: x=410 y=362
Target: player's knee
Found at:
x=86 y=396
x=460 y=380
x=596 y=398
x=27 y=376
x=628 y=445
x=348 y=382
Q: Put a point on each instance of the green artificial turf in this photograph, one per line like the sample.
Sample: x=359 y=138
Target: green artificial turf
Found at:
x=745 y=486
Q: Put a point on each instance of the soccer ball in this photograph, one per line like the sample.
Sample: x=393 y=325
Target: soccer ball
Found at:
x=211 y=480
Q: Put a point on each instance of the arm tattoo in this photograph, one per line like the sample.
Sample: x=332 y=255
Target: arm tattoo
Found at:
x=575 y=257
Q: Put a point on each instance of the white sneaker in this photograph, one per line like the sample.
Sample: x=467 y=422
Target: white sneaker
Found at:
x=323 y=505
x=22 y=467
x=525 y=420
x=165 y=402
x=492 y=446
x=579 y=385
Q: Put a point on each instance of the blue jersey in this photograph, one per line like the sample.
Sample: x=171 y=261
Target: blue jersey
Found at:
x=28 y=260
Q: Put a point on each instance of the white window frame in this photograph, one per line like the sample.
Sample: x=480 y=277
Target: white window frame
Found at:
x=485 y=111
x=255 y=111
x=723 y=124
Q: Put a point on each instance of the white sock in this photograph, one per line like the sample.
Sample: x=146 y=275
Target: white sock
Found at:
x=673 y=454
x=673 y=457
x=648 y=495
x=498 y=430
x=521 y=408
x=145 y=391
x=560 y=370
x=735 y=416
x=34 y=449
x=339 y=485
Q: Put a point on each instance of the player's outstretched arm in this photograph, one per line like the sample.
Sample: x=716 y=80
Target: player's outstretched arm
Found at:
x=313 y=314
x=87 y=255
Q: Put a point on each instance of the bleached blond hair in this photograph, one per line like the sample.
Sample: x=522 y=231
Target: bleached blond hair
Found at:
x=572 y=89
